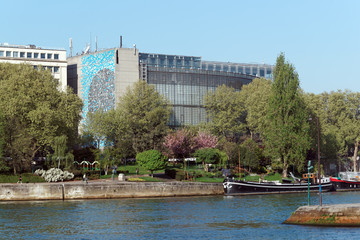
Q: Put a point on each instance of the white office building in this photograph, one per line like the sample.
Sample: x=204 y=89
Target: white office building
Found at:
x=51 y=59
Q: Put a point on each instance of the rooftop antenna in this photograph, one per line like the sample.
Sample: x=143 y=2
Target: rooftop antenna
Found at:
x=134 y=49
x=120 y=41
x=87 y=49
x=71 y=47
x=90 y=43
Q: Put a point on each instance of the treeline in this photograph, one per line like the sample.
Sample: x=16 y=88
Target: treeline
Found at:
x=268 y=125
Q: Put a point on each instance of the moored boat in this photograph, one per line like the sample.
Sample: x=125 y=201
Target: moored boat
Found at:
x=347 y=181
x=238 y=187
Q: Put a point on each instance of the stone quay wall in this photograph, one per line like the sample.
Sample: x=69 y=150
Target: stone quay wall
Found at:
x=103 y=190
x=327 y=215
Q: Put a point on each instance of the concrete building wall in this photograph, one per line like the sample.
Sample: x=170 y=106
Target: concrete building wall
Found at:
x=126 y=69
x=51 y=59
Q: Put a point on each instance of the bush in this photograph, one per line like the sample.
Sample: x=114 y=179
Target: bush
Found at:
x=54 y=175
x=152 y=160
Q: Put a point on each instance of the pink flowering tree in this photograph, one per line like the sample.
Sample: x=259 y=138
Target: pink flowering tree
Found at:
x=180 y=144
x=205 y=140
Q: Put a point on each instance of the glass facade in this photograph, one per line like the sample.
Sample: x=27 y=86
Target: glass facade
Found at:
x=257 y=70
x=186 y=88
x=185 y=80
x=170 y=61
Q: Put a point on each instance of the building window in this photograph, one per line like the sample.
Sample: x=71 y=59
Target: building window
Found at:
x=36 y=55
x=29 y=55
x=56 y=69
x=1 y=53
x=35 y=67
x=262 y=73
x=22 y=54
x=8 y=53
x=15 y=54
x=56 y=56
x=43 y=56
x=49 y=56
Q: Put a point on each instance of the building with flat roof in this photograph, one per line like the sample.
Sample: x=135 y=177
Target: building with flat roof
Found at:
x=100 y=78
x=52 y=59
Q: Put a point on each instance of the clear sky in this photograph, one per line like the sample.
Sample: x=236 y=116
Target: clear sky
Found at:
x=321 y=38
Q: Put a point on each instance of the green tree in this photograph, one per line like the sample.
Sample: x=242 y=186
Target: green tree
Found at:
x=95 y=127
x=3 y=165
x=35 y=112
x=207 y=156
x=330 y=139
x=255 y=96
x=152 y=160
x=145 y=114
x=287 y=134
x=226 y=110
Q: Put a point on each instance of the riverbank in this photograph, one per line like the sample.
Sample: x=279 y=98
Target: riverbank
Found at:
x=105 y=190
x=327 y=215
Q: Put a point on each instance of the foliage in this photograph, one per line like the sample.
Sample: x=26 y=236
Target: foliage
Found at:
x=205 y=140
x=287 y=134
x=54 y=175
x=207 y=156
x=255 y=96
x=226 y=110
x=223 y=157
x=251 y=153
x=180 y=144
x=152 y=160
x=35 y=112
x=145 y=113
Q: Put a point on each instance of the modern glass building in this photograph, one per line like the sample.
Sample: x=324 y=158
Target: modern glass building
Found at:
x=184 y=80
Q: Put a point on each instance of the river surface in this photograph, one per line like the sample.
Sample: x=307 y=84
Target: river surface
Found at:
x=214 y=217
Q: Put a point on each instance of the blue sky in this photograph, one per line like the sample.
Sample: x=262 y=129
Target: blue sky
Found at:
x=320 y=38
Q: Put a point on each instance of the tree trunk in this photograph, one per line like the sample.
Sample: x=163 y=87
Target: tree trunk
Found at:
x=285 y=168
x=355 y=154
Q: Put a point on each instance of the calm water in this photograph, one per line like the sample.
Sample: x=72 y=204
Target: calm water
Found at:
x=218 y=217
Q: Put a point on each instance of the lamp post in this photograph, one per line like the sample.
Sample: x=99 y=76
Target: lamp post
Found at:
x=309 y=167
x=319 y=167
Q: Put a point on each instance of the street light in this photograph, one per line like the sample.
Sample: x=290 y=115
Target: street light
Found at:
x=309 y=167
x=319 y=168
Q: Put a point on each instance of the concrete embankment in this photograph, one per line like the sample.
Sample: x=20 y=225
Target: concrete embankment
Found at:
x=327 y=215
x=103 y=190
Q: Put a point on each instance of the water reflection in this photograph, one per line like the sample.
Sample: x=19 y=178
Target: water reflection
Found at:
x=252 y=217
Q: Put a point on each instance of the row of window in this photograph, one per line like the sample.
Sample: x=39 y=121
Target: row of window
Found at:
x=262 y=72
x=52 y=69
x=36 y=55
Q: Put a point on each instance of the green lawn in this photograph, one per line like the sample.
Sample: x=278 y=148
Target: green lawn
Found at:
x=25 y=177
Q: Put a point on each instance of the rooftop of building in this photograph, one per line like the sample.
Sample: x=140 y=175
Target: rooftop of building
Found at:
x=29 y=46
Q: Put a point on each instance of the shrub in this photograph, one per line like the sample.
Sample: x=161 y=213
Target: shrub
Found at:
x=54 y=174
x=152 y=160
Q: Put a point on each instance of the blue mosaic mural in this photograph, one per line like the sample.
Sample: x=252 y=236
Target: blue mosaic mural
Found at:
x=98 y=81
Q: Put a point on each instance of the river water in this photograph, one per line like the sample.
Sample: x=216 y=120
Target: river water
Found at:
x=214 y=217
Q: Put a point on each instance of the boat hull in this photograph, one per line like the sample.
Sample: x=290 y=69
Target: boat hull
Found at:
x=232 y=187
x=345 y=185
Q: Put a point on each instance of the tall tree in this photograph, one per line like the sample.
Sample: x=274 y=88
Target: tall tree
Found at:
x=35 y=112
x=226 y=110
x=145 y=113
x=255 y=96
x=287 y=134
